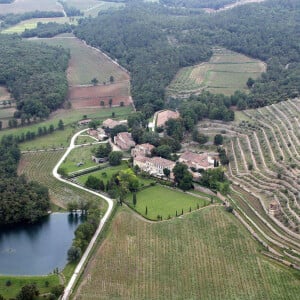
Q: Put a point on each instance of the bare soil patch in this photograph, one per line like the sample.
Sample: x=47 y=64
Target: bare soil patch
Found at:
x=92 y=96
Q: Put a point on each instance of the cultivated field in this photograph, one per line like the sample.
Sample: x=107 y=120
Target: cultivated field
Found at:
x=264 y=152
x=21 y=6
x=165 y=202
x=225 y=73
x=87 y=63
x=93 y=7
x=32 y=23
x=38 y=166
x=204 y=255
x=100 y=95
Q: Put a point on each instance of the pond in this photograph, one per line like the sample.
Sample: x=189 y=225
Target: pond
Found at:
x=37 y=249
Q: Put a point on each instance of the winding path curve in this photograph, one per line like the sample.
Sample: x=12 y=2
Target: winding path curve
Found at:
x=69 y=287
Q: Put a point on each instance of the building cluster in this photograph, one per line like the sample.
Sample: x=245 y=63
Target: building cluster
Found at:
x=141 y=153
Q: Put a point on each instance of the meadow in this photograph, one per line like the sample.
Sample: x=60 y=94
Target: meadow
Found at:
x=164 y=202
x=87 y=63
x=225 y=72
x=43 y=283
x=38 y=167
x=203 y=255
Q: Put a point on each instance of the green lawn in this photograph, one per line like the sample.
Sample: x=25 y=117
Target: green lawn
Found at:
x=17 y=282
x=81 y=154
x=104 y=174
x=84 y=139
x=165 y=202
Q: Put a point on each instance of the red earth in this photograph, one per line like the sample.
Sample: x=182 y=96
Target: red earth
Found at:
x=92 y=96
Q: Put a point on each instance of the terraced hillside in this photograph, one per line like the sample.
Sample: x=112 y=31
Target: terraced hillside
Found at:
x=264 y=153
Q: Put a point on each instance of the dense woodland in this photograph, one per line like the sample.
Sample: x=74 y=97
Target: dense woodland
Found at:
x=38 y=80
x=47 y=30
x=153 y=42
x=20 y=201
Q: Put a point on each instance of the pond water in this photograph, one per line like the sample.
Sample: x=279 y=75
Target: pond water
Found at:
x=37 y=249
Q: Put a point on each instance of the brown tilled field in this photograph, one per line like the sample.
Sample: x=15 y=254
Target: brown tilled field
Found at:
x=91 y=96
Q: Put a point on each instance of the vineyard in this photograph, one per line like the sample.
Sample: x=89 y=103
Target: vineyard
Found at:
x=264 y=153
x=204 y=255
x=38 y=166
x=226 y=72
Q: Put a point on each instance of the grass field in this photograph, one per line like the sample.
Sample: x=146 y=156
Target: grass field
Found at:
x=87 y=63
x=84 y=139
x=32 y=23
x=104 y=174
x=165 y=202
x=204 y=255
x=21 y=6
x=17 y=282
x=79 y=155
x=62 y=138
x=226 y=72
x=39 y=166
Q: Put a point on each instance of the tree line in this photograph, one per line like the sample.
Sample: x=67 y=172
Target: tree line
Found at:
x=38 y=81
x=46 y=30
x=20 y=200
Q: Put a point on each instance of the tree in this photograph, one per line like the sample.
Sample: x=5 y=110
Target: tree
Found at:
x=183 y=177
x=103 y=150
x=218 y=139
x=134 y=199
x=61 y=125
x=0 y=125
x=51 y=128
x=93 y=182
x=115 y=158
x=167 y=172
x=57 y=290
x=74 y=254
x=28 y=292
x=111 y=79
x=94 y=81
x=164 y=151
x=110 y=101
x=101 y=103
x=250 y=82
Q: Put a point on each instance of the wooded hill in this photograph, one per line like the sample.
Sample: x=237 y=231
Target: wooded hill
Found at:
x=34 y=74
x=20 y=201
x=153 y=42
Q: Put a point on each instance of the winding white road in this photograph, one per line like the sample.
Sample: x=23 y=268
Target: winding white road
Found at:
x=69 y=287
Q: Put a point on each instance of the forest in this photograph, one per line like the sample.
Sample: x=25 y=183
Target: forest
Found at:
x=153 y=42
x=37 y=81
x=216 y=4
x=46 y=30
x=20 y=200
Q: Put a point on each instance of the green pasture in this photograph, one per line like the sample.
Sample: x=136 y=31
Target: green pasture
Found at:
x=43 y=283
x=165 y=202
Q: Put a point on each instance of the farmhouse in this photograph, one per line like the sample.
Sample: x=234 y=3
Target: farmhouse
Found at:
x=154 y=165
x=142 y=150
x=164 y=116
x=98 y=133
x=124 y=141
x=197 y=161
x=110 y=123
